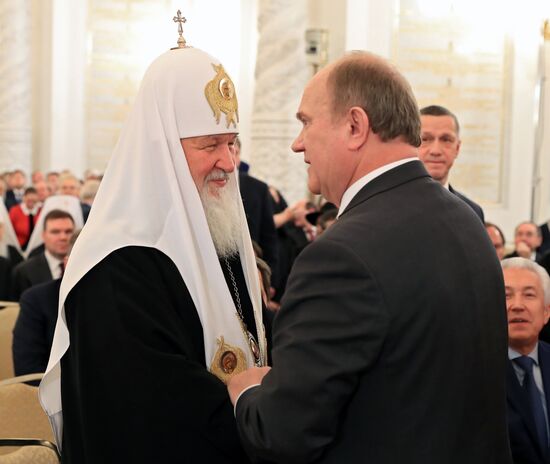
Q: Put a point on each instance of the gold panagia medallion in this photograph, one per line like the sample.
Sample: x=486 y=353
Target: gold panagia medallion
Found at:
x=220 y=93
x=228 y=361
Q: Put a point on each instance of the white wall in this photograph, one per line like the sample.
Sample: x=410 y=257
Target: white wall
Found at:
x=369 y=26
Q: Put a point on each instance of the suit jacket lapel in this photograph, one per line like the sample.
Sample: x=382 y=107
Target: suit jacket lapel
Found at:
x=518 y=399
x=544 y=363
x=387 y=181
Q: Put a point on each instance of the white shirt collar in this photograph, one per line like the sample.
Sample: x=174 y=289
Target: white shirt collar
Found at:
x=354 y=188
x=53 y=264
x=534 y=355
x=28 y=211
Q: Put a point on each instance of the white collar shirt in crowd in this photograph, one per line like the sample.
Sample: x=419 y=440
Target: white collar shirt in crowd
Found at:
x=54 y=264
x=27 y=211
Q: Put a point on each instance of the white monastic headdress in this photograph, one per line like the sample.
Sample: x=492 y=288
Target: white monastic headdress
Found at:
x=148 y=198
x=9 y=237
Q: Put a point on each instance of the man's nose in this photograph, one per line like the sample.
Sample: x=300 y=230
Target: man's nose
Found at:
x=516 y=304
x=435 y=148
x=226 y=161
x=298 y=145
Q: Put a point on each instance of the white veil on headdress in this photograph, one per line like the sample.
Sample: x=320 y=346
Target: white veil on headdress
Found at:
x=148 y=198
x=9 y=237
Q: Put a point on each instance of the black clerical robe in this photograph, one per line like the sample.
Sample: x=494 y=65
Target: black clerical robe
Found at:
x=134 y=382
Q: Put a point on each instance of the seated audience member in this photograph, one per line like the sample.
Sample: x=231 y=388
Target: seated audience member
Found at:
x=527 y=238
x=545 y=233
x=42 y=190
x=70 y=185
x=67 y=203
x=24 y=216
x=9 y=257
x=49 y=264
x=528 y=381
x=497 y=237
x=37 y=176
x=35 y=325
x=9 y=246
x=88 y=191
x=16 y=185
x=52 y=179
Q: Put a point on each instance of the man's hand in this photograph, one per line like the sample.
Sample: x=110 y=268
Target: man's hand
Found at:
x=523 y=250
x=239 y=382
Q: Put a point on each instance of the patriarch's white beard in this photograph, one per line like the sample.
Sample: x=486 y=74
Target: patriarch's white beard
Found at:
x=222 y=214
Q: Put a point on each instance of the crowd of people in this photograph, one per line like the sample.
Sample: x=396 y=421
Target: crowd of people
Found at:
x=398 y=335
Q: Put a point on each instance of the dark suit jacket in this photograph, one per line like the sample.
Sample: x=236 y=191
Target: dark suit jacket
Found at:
x=259 y=214
x=34 y=328
x=6 y=270
x=545 y=245
x=514 y=254
x=34 y=271
x=525 y=447
x=85 y=211
x=10 y=199
x=477 y=209
x=391 y=342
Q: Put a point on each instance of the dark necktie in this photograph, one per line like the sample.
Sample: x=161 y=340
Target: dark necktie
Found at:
x=31 y=228
x=62 y=267
x=31 y=223
x=534 y=396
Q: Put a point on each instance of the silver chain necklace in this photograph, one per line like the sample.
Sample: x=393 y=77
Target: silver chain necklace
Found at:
x=252 y=343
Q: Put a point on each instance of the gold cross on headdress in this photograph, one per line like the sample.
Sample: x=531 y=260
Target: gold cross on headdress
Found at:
x=180 y=20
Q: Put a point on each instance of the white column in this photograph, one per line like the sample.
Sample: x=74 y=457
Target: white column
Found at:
x=281 y=74
x=542 y=204
x=66 y=148
x=15 y=85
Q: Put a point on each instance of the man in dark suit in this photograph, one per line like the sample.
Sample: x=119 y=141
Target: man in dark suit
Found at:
x=528 y=383
x=440 y=147
x=70 y=185
x=545 y=233
x=383 y=352
x=34 y=328
x=15 y=193
x=259 y=212
x=49 y=264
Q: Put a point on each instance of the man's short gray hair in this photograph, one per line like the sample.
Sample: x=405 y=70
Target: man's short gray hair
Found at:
x=524 y=263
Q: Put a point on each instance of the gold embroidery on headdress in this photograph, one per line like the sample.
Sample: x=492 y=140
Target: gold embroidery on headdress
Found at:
x=228 y=361
x=220 y=93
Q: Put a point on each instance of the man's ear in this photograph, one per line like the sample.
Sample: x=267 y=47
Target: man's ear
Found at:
x=546 y=313
x=459 y=144
x=358 y=127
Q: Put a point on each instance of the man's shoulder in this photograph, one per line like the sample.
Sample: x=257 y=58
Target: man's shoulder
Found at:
x=477 y=209
x=30 y=263
x=41 y=292
x=252 y=182
x=544 y=349
x=16 y=211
